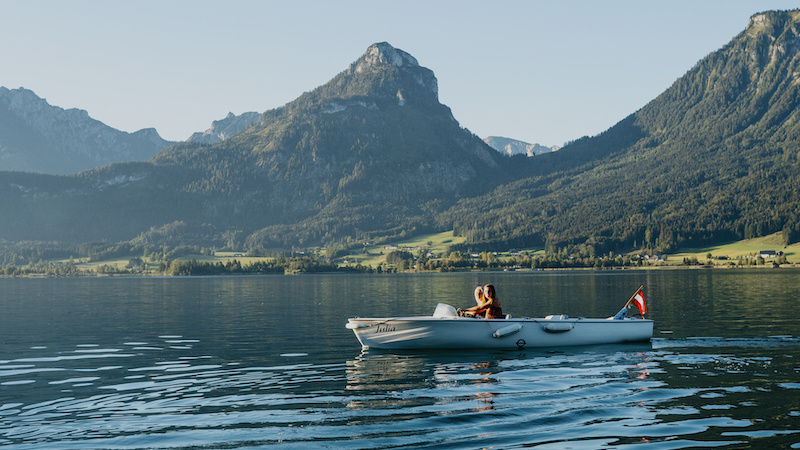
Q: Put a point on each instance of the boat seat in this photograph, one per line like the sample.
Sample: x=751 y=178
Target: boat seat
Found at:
x=444 y=310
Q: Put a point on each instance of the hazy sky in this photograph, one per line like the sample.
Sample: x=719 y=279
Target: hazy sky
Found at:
x=542 y=72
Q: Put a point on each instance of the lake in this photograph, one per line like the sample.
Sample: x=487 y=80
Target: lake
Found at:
x=265 y=361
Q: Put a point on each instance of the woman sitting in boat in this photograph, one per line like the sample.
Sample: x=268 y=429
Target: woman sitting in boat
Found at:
x=475 y=310
x=488 y=305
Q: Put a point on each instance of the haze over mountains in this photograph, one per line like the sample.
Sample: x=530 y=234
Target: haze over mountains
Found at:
x=374 y=155
x=65 y=132
x=38 y=137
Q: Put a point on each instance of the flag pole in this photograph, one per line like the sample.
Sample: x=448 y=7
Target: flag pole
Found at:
x=633 y=296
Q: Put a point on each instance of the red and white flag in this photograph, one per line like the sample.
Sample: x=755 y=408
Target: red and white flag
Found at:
x=638 y=300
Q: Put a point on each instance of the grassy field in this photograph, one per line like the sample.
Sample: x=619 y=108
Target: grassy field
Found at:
x=115 y=263
x=734 y=250
x=374 y=255
x=223 y=257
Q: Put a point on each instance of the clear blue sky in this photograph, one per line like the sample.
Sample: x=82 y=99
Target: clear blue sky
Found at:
x=541 y=72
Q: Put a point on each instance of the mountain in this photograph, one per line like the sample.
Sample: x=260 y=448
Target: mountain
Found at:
x=514 y=147
x=38 y=137
x=371 y=153
x=712 y=159
x=225 y=128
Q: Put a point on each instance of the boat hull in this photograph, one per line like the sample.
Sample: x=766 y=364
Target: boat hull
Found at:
x=426 y=332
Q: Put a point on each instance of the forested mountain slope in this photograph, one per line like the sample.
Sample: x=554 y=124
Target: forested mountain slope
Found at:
x=713 y=158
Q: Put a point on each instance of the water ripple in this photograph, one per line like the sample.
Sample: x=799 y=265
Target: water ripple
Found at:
x=674 y=394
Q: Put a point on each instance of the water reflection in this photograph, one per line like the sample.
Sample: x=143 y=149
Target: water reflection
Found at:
x=469 y=393
x=600 y=396
x=163 y=389
x=203 y=363
x=659 y=393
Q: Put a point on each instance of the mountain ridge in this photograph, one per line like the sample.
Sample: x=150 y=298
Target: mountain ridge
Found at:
x=510 y=147
x=373 y=155
x=38 y=137
x=682 y=171
x=224 y=128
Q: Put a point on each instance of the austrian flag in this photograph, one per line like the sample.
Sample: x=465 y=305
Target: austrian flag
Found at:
x=638 y=300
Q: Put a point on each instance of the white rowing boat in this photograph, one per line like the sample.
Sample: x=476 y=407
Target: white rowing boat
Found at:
x=446 y=330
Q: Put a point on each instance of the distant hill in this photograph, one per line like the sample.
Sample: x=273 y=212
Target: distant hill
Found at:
x=38 y=137
x=224 y=128
x=510 y=147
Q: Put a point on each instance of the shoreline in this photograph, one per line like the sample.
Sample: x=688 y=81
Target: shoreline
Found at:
x=346 y=270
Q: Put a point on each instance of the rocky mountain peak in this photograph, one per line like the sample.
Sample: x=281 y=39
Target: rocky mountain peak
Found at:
x=511 y=147
x=773 y=18
x=224 y=128
x=25 y=104
x=777 y=25
x=382 y=55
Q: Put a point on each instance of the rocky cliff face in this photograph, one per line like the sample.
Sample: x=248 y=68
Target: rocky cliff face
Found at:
x=225 y=128
x=383 y=54
x=38 y=137
x=510 y=147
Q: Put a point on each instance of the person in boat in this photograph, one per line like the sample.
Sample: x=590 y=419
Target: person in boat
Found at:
x=488 y=306
x=477 y=309
x=493 y=309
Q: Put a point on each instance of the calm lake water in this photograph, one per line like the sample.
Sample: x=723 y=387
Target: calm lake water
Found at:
x=257 y=362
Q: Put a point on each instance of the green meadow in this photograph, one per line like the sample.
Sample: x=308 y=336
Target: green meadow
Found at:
x=375 y=255
x=739 y=249
x=437 y=244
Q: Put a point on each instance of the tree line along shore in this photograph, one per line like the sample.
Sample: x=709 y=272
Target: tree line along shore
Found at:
x=432 y=253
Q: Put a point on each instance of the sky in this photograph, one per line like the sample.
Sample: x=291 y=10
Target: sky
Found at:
x=544 y=72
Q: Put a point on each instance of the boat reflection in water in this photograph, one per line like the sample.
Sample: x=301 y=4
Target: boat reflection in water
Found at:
x=446 y=383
